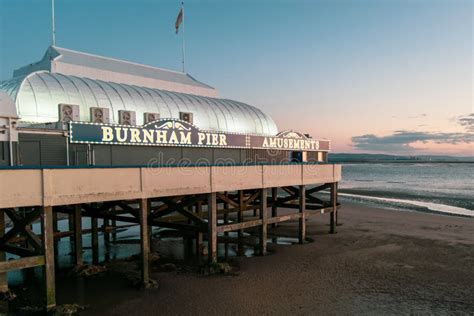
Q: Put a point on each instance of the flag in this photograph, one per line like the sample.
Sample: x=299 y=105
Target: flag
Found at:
x=179 y=20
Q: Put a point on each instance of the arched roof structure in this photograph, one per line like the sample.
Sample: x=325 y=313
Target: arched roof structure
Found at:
x=38 y=94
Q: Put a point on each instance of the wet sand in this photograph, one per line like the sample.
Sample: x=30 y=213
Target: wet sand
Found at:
x=380 y=261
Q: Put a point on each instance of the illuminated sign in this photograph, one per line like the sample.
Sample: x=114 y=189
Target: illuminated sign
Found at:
x=172 y=132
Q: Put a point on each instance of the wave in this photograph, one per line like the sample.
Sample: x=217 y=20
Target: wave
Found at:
x=430 y=206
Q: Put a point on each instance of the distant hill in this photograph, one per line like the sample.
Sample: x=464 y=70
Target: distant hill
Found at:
x=346 y=157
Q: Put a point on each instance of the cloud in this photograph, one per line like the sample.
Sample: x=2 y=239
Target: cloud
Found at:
x=467 y=121
x=417 y=116
x=401 y=141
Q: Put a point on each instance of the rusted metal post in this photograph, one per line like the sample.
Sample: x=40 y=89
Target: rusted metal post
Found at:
x=144 y=240
x=78 y=258
x=212 y=226
x=95 y=240
x=274 y=206
x=333 y=214
x=48 y=250
x=3 y=275
x=302 y=211
x=263 y=216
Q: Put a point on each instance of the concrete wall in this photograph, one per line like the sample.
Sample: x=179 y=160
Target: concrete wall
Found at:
x=67 y=186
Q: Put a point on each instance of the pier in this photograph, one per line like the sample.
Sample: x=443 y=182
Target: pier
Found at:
x=204 y=201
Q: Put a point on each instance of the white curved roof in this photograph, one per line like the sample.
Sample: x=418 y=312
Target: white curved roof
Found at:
x=38 y=94
x=7 y=106
x=80 y=64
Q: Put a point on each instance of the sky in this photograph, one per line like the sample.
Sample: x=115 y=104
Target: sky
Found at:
x=379 y=76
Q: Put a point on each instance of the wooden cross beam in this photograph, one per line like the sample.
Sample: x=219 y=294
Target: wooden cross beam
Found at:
x=180 y=208
x=291 y=191
x=172 y=205
x=318 y=188
x=21 y=228
x=226 y=199
x=315 y=200
x=252 y=198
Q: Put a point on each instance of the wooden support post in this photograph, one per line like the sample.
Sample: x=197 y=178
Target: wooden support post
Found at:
x=70 y=223
x=274 y=206
x=28 y=244
x=106 y=234
x=226 y=221
x=95 y=240
x=240 y=212
x=114 y=231
x=199 y=235
x=150 y=229
x=187 y=248
x=263 y=216
x=256 y=212
x=212 y=226
x=55 y=222
x=48 y=249
x=240 y=219
x=3 y=275
x=336 y=201
x=56 y=240
x=302 y=211
x=144 y=240
x=188 y=242
x=105 y=231
x=333 y=214
x=79 y=261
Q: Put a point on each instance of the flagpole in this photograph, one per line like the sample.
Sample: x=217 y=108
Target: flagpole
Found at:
x=184 y=44
x=53 y=24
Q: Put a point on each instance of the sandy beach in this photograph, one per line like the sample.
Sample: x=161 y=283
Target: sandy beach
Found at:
x=380 y=261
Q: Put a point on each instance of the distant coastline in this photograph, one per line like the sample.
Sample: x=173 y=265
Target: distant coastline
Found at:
x=381 y=158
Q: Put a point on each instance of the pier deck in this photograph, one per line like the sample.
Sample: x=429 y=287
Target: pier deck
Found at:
x=192 y=199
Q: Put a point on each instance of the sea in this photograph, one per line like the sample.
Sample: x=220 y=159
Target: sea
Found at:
x=439 y=187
